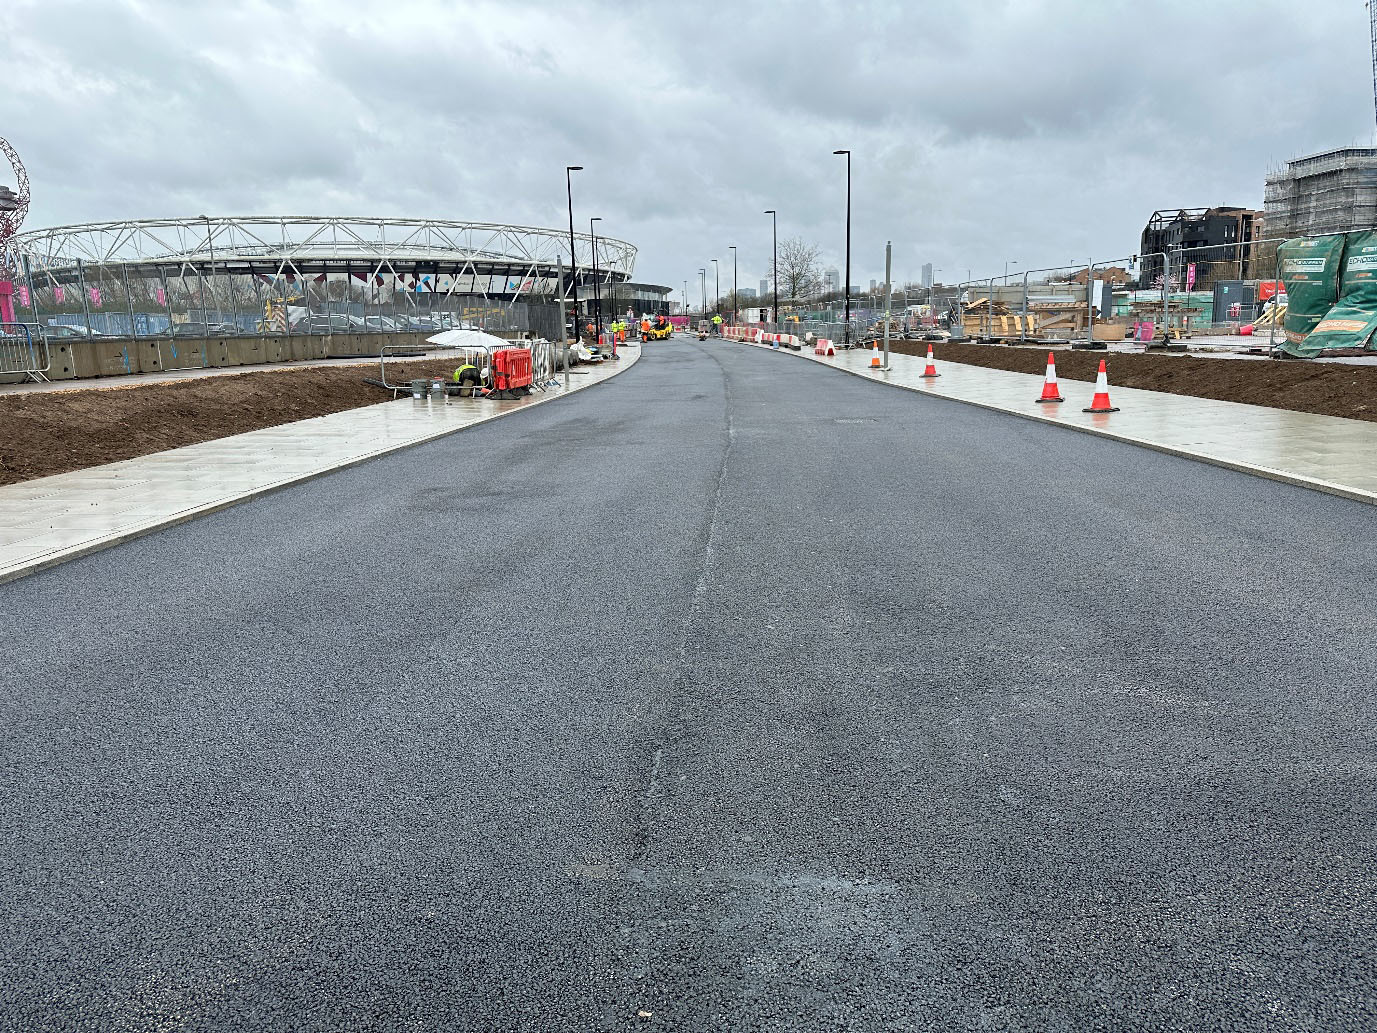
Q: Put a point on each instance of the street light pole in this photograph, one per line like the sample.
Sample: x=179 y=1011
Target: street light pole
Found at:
x=564 y=345
x=597 y=292
x=686 y=311
x=734 y=298
x=703 y=285
x=847 y=294
x=889 y=296
x=774 y=265
x=716 y=287
x=573 y=261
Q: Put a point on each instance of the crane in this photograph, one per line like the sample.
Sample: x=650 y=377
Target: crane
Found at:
x=1372 y=31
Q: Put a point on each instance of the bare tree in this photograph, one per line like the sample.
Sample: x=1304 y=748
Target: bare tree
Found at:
x=799 y=276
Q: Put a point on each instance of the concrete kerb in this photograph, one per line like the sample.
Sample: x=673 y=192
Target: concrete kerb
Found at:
x=1300 y=481
x=98 y=544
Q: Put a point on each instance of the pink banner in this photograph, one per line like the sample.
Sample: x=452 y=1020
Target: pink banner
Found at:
x=1190 y=277
x=95 y=295
x=162 y=296
x=57 y=295
x=24 y=295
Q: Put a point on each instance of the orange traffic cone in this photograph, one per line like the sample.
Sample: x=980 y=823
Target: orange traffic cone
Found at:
x=875 y=361
x=1051 y=391
x=931 y=370
x=1100 y=403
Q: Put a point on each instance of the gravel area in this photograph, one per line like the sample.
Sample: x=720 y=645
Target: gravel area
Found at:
x=734 y=694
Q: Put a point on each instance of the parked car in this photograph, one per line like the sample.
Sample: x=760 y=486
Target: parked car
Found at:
x=334 y=323
x=63 y=332
x=198 y=329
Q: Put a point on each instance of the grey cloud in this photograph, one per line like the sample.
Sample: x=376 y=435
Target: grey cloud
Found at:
x=1035 y=130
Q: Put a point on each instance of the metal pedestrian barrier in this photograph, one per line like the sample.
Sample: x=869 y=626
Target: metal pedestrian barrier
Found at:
x=24 y=351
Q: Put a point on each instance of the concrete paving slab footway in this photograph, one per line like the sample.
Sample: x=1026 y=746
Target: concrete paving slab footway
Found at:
x=732 y=695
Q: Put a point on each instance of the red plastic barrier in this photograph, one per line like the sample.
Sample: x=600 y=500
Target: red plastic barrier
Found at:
x=511 y=369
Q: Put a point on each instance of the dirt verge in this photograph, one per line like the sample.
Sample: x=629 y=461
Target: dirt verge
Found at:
x=1327 y=388
x=51 y=432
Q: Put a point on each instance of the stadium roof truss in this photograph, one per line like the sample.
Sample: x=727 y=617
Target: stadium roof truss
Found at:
x=297 y=245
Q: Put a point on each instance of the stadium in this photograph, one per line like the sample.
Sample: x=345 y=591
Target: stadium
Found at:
x=218 y=276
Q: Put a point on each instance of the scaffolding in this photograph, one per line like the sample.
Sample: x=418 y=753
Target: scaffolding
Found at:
x=1332 y=192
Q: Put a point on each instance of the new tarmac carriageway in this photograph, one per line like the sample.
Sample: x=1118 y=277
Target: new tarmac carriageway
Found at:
x=735 y=695
x=1327 y=453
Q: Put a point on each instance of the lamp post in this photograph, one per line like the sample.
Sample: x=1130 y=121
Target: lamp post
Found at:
x=686 y=314
x=703 y=285
x=774 y=263
x=573 y=261
x=847 y=293
x=716 y=286
x=734 y=298
x=597 y=292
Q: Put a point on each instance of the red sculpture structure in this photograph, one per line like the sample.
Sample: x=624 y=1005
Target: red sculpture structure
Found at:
x=14 y=205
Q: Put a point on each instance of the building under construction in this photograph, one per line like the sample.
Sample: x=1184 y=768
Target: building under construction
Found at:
x=1332 y=192
x=1217 y=241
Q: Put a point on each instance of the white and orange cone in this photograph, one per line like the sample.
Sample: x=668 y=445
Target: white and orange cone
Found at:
x=1051 y=390
x=930 y=370
x=1100 y=403
x=876 y=362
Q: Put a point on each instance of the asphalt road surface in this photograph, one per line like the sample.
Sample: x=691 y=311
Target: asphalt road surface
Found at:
x=733 y=694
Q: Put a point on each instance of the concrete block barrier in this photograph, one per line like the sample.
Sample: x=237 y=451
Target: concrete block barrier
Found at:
x=104 y=357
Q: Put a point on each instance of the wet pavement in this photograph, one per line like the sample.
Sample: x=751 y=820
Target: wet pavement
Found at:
x=736 y=694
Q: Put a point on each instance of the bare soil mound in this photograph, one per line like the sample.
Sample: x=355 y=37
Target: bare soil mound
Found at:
x=1327 y=388
x=52 y=432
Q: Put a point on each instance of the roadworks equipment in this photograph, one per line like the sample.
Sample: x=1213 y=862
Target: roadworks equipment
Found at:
x=931 y=369
x=1101 y=403
x=1051 y=390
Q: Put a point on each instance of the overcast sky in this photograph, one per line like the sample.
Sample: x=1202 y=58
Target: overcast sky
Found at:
x=1038 y=131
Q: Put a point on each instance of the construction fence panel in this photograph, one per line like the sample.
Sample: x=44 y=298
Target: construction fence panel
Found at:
x=1218 y=288
x=202 y=299
x=22 y=351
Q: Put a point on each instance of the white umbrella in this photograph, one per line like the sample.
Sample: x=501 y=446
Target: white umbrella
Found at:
x=465 y=337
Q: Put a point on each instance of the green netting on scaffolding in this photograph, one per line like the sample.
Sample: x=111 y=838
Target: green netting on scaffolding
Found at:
x=1310 y=268
x=1349 y=326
